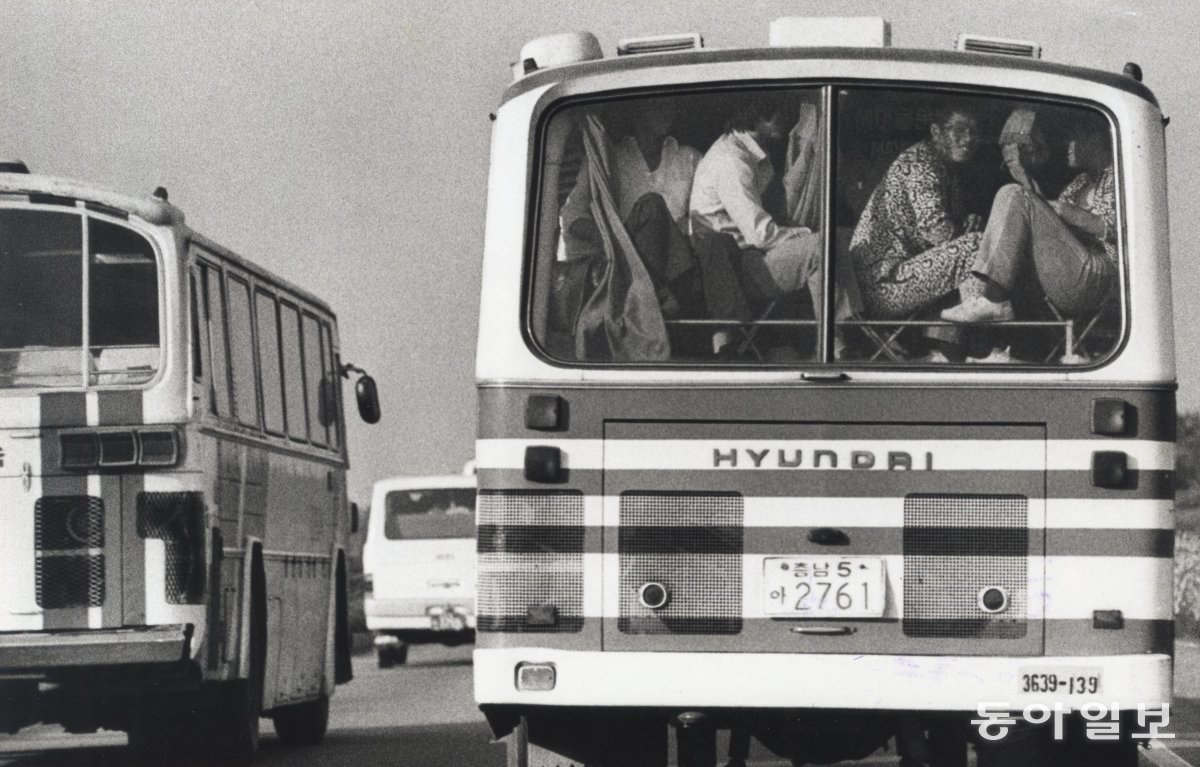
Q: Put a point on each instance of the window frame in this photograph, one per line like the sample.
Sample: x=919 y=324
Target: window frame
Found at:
x=536 y=259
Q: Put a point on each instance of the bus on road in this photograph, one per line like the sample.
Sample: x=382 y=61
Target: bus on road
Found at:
x=847 y=504
x=419 y=563
x=174 y=480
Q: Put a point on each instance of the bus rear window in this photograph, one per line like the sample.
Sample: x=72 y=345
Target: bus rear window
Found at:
x=430 y=513
x=43 y=276
x=926 y=228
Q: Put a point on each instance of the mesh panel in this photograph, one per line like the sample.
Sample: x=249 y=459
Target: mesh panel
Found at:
x=530 y=555
x=178 y=520
x=70 y=580
x=954 y=547
x=692 y=544
x=68 y=570
x=68 y=522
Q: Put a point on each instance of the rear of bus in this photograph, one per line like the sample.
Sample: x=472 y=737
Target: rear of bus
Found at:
x=419 y=562
x=102 y=572
x=832 y=539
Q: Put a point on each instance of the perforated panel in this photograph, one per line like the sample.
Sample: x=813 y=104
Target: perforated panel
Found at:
x=530 y=561
x=69 y=538
x=955 y=546
x=178 y=520
x=692 y=544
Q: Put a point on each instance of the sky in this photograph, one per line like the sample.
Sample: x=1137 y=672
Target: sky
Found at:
x=343 y=144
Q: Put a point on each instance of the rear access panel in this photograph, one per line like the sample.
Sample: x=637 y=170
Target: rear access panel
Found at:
x=824 y=537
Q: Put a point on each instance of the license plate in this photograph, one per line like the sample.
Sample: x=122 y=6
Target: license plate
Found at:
x=824 y=587
x=1059 y=681
x=448 y=622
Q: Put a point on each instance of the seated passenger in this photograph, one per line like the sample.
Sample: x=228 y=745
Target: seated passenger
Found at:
x=651 y=181
x=914 y=244
x=1068 y=245
x=727 y=200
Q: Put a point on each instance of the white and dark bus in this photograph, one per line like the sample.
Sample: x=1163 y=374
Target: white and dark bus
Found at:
x=174 y=479
x=832 y=537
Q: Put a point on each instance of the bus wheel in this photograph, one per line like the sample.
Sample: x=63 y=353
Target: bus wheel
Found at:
x=302 y=724
x=234 y=719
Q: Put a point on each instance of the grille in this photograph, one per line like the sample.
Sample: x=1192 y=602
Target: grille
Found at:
x=954 y=547
x=68 y=532
x=530 y=548
x=178 y=520
x=692 y=544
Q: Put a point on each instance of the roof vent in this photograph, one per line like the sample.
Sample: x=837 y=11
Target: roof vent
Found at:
x=555 y=51
x=830 y=32
x=999 y=46
x=13 y=166
x=660 y=44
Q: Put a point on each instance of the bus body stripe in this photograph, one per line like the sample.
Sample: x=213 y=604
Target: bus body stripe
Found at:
x=62 y=409
x=781 y=483
x=751 y=454
x=890 y=411
x=863 y=541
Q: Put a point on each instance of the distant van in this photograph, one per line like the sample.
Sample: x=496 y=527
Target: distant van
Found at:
x=419 y=563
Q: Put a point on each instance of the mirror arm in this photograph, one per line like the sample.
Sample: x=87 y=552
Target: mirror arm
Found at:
x=346 y=368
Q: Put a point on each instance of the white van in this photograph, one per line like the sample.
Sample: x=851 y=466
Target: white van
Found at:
x=419 y=563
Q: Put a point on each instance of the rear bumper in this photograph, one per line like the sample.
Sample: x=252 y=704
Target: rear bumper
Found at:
x=730 y=680
x=417 y=614
x=69 y=650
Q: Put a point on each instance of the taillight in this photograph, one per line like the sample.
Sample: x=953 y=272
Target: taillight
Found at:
x=368 y=584
x=119 y=448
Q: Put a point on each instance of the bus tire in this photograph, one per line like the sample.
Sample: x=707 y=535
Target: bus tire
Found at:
x=384 y=654
x=234 y=719
x=302 y=724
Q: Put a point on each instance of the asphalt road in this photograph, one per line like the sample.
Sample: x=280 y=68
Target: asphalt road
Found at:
x=423 y=715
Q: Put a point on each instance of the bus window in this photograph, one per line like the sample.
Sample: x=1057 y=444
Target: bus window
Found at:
x=975 y=227
x=434 y=513
x=123 y=303
x=293 y=371
x=41 y=332
x=241 y=347
x=313 y=378
x=670 y=223
x=214 y=315
x=194 y=321
x=331 y=398
x=268 y=356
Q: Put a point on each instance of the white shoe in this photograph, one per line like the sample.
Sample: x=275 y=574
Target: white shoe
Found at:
x=978 y=309
x=998 y=356
x=935 y=357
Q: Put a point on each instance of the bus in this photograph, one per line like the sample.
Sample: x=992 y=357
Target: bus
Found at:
x=840 y=535
x=174 y=469
x=419 y=564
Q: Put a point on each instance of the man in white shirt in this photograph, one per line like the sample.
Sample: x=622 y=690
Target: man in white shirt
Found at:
x=727 y=198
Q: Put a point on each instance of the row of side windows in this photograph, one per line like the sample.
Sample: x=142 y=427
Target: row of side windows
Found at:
x=271 y=362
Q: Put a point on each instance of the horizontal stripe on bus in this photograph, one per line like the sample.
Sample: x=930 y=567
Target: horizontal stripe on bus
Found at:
x=863 y=541
x=756 y=635
x=1153 y=485
x=1108 y=514
x=1064 y=412
x=1074 y=586
x=733 y=453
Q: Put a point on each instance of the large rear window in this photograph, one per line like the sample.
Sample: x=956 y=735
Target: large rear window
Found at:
x=854 y=226
x=430 y=513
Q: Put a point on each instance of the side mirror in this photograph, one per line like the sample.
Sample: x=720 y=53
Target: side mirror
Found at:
x=353 y=517
x=368 y=399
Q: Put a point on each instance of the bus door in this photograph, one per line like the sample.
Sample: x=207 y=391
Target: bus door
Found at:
x=824 y=537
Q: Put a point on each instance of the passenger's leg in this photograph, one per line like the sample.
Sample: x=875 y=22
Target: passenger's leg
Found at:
x=1073 y=277
x=663 y=249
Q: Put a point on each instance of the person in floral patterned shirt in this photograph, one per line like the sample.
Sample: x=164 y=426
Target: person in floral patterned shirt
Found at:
x=914 y=244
